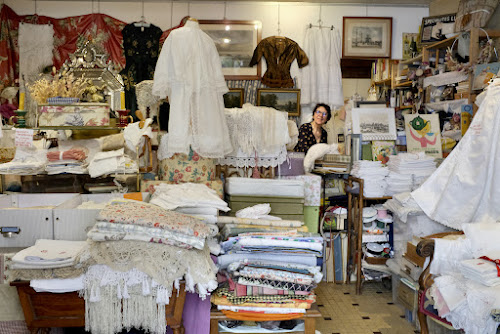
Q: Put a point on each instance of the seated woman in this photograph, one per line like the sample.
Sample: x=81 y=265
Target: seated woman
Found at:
x=313 y=132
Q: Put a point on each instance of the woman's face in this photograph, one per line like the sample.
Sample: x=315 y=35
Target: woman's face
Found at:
x=320 y=115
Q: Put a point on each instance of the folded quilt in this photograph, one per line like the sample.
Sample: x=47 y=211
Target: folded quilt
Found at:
x=261 y=309
x=137 y=232
x=97 y=235
x=267 y=283
x=172 y=196
x=266 y=301
x=232 y=230
x=275 y=275
x=306 y=259
x=249 y=290
x=312 y=243
x=233 y=298
x=49 y=254
x=314 y=271
x=251 y=221
x=149 y=215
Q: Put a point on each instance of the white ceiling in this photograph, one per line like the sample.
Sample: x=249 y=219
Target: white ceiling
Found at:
x=344 y=2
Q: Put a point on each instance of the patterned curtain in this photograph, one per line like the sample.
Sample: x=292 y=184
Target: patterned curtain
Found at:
x=69 y=33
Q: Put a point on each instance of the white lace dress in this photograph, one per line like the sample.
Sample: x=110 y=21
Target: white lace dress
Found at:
x=189 y=72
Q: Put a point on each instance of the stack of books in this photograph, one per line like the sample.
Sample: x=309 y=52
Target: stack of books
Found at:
x=462 y=90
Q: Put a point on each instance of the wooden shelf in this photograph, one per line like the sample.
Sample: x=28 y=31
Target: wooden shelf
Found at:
x=411 y=61
x=386 y=82
x=403 y=84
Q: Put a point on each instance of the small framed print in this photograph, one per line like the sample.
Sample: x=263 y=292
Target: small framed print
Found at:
x=234 y=98
x=280 y=99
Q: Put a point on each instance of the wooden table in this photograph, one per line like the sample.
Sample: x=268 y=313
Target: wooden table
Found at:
x=43 y=310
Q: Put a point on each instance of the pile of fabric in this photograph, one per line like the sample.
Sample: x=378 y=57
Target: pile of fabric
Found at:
x=112 y=162
x=269 y=269
x=47 y=260
x=27 y=161
x=141 y=252
x=408 y=171
x=69 y=161
x=373 y=174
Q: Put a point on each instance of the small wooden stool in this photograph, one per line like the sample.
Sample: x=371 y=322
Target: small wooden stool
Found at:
x=309 y=320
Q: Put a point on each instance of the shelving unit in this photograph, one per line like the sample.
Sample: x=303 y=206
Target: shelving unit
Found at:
x=356 y=202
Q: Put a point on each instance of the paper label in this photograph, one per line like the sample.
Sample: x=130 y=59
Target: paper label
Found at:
x=24 y=137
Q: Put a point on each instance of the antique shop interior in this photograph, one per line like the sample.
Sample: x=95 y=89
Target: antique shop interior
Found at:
x=209 y=166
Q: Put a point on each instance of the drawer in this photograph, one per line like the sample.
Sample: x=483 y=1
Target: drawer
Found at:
x=407 y=296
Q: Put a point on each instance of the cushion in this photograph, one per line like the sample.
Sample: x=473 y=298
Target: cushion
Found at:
x=187 y=168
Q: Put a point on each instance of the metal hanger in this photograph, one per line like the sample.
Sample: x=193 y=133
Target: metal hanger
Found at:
x=142 y=23
x=320 y=22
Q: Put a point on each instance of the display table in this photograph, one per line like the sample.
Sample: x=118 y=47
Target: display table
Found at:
x=43 y=310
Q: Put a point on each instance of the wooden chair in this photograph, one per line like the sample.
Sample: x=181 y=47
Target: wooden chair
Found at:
x=425 y=248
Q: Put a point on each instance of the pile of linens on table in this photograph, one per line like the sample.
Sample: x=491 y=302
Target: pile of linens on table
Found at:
x=268 y=269
x=134 y=259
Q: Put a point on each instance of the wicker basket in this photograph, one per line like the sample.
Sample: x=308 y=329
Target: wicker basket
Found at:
x=376 y=260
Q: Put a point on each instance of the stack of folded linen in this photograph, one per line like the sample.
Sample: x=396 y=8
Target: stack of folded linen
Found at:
x=480 y=270
x=112 y=162
x=194 y=199
x=48 y=259
x=414 y=168
x=271 y=268
x=70 y=161
x=27 y=161
x=373 y=174
x=141 y=252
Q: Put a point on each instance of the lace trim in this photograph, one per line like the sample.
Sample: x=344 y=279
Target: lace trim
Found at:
x=268 y=161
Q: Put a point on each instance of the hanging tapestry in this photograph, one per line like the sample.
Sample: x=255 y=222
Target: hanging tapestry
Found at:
x=69 y=33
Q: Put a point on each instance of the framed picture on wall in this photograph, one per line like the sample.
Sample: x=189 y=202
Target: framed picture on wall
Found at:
x=367 y=37
x=281 y=99
x=235 y=41
x=374 y=123
x=234 y=98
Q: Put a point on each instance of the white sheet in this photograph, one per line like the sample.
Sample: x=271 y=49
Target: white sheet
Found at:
x=264 y=187
x=463 y=188
x=57 y=285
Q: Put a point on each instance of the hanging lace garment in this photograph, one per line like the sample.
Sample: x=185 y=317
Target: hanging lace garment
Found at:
x=189 y=72
x=322 y=79
x=462 y=190
x=259 y=136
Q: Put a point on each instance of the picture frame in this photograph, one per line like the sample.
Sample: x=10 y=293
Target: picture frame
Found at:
x=374 y=123
x=235 y=41
x=483 y=73
x=234 y=98
x=435 y=28
x=281 y=99
x=367 y=37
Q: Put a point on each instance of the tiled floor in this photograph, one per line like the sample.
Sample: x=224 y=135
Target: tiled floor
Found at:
x=372 y=312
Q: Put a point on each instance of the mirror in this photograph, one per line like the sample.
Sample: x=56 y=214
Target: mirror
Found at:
x=91 y=62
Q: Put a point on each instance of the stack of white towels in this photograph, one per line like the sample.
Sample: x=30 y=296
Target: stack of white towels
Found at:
x=481 y=271
x=408 y=171
x=51 y=254
x=373 y=173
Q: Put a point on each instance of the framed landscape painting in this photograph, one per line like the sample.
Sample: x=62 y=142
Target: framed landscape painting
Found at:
x=281 y=99
x=367 y=37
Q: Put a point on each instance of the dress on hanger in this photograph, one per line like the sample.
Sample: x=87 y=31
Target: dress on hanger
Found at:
x=189 y=72
x=141 y=47
x=279 y=52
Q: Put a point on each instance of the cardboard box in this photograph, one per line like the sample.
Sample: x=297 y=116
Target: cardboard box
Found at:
x=74 y=115
x=412 y=256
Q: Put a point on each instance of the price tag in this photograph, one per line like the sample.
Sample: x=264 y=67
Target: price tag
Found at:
x=24 y=137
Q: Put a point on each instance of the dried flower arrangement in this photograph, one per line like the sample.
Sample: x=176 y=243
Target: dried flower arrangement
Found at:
x=61 y=85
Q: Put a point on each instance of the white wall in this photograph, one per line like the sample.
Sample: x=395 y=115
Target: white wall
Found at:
x=294 y=16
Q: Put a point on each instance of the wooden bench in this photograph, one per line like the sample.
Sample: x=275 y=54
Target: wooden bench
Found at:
x=309 y=320
x=43 y=310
